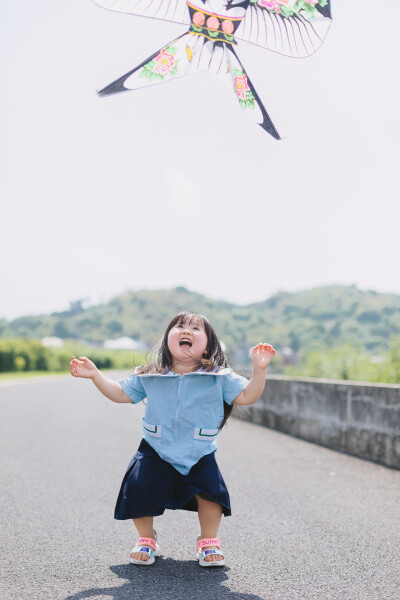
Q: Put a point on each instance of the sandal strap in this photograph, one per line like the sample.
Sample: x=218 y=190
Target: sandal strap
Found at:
x=211 y=551
x=208 y=542
x=139 y=548
x=148 y=542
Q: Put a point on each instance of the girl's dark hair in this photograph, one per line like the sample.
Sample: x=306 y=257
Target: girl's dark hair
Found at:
x=212 y=359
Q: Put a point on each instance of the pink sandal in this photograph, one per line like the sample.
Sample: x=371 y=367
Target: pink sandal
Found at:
x=148 y=545
x=201 y=554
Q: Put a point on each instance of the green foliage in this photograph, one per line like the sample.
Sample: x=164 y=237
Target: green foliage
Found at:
x=61 y=329
x=22 y=355
x=350 y=363
x=20 y=363
x=18 y=355
x=114 y=327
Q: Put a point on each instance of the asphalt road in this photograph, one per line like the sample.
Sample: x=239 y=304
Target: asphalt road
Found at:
x=308 y=523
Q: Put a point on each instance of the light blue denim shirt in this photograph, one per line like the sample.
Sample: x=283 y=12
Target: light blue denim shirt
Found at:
x=183 y=412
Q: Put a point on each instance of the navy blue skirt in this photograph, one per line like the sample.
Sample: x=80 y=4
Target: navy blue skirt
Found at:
x=151 y=485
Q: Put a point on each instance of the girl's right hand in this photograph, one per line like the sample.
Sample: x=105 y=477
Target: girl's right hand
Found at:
x=82 y=367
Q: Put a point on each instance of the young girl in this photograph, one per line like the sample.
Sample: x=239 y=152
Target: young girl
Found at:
x=190 y=391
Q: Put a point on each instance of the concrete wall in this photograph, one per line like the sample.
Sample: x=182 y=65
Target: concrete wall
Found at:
x=359 y=418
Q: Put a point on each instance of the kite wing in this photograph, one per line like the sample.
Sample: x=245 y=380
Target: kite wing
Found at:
x=167 y=10
x=290 y=27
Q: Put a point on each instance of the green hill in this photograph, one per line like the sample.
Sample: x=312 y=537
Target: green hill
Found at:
x=316 y=319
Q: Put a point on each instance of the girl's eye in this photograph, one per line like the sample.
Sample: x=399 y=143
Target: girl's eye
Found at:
x=197 y=328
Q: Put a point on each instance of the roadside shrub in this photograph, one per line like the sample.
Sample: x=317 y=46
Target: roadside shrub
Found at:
x=17 y=355
x=22 y=355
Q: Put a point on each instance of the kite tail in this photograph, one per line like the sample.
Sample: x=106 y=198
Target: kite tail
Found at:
x=177 y=59
x=247 y=95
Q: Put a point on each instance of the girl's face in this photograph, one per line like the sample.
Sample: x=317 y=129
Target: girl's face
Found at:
x=187 y=341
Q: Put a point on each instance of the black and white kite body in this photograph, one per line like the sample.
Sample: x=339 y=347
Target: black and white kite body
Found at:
x=294 y=28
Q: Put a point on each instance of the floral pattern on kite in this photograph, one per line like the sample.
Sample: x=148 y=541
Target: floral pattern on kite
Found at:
x=162 y=66
x=289 y=8
x=242 y=89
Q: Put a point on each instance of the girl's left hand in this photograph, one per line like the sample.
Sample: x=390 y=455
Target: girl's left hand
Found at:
x=261 y=355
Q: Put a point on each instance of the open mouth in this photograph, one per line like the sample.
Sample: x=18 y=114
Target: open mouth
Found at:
x=185 y=343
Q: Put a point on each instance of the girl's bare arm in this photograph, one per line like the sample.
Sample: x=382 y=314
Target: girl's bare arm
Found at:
x=83 y=367
x=261 y=356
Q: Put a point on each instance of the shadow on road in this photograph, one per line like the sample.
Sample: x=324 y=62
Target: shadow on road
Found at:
x=167 y=579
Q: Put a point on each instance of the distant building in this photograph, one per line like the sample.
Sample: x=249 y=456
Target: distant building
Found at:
x=377 y=360
x=52 y=342
x=125 y=343
x=289 y=357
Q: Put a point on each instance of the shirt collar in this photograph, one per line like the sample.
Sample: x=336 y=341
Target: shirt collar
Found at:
x=200 y=371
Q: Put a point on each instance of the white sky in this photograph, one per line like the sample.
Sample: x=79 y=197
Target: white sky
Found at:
x=173 y=185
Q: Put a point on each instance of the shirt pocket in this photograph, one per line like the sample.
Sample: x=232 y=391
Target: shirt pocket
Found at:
x=204 y=434
x=204 y=442
x=152 y=430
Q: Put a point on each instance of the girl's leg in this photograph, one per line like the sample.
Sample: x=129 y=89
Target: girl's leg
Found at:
x=144 y=528
x=210 y=514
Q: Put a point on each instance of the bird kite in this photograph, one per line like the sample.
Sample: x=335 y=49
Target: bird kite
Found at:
x=291 y=27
